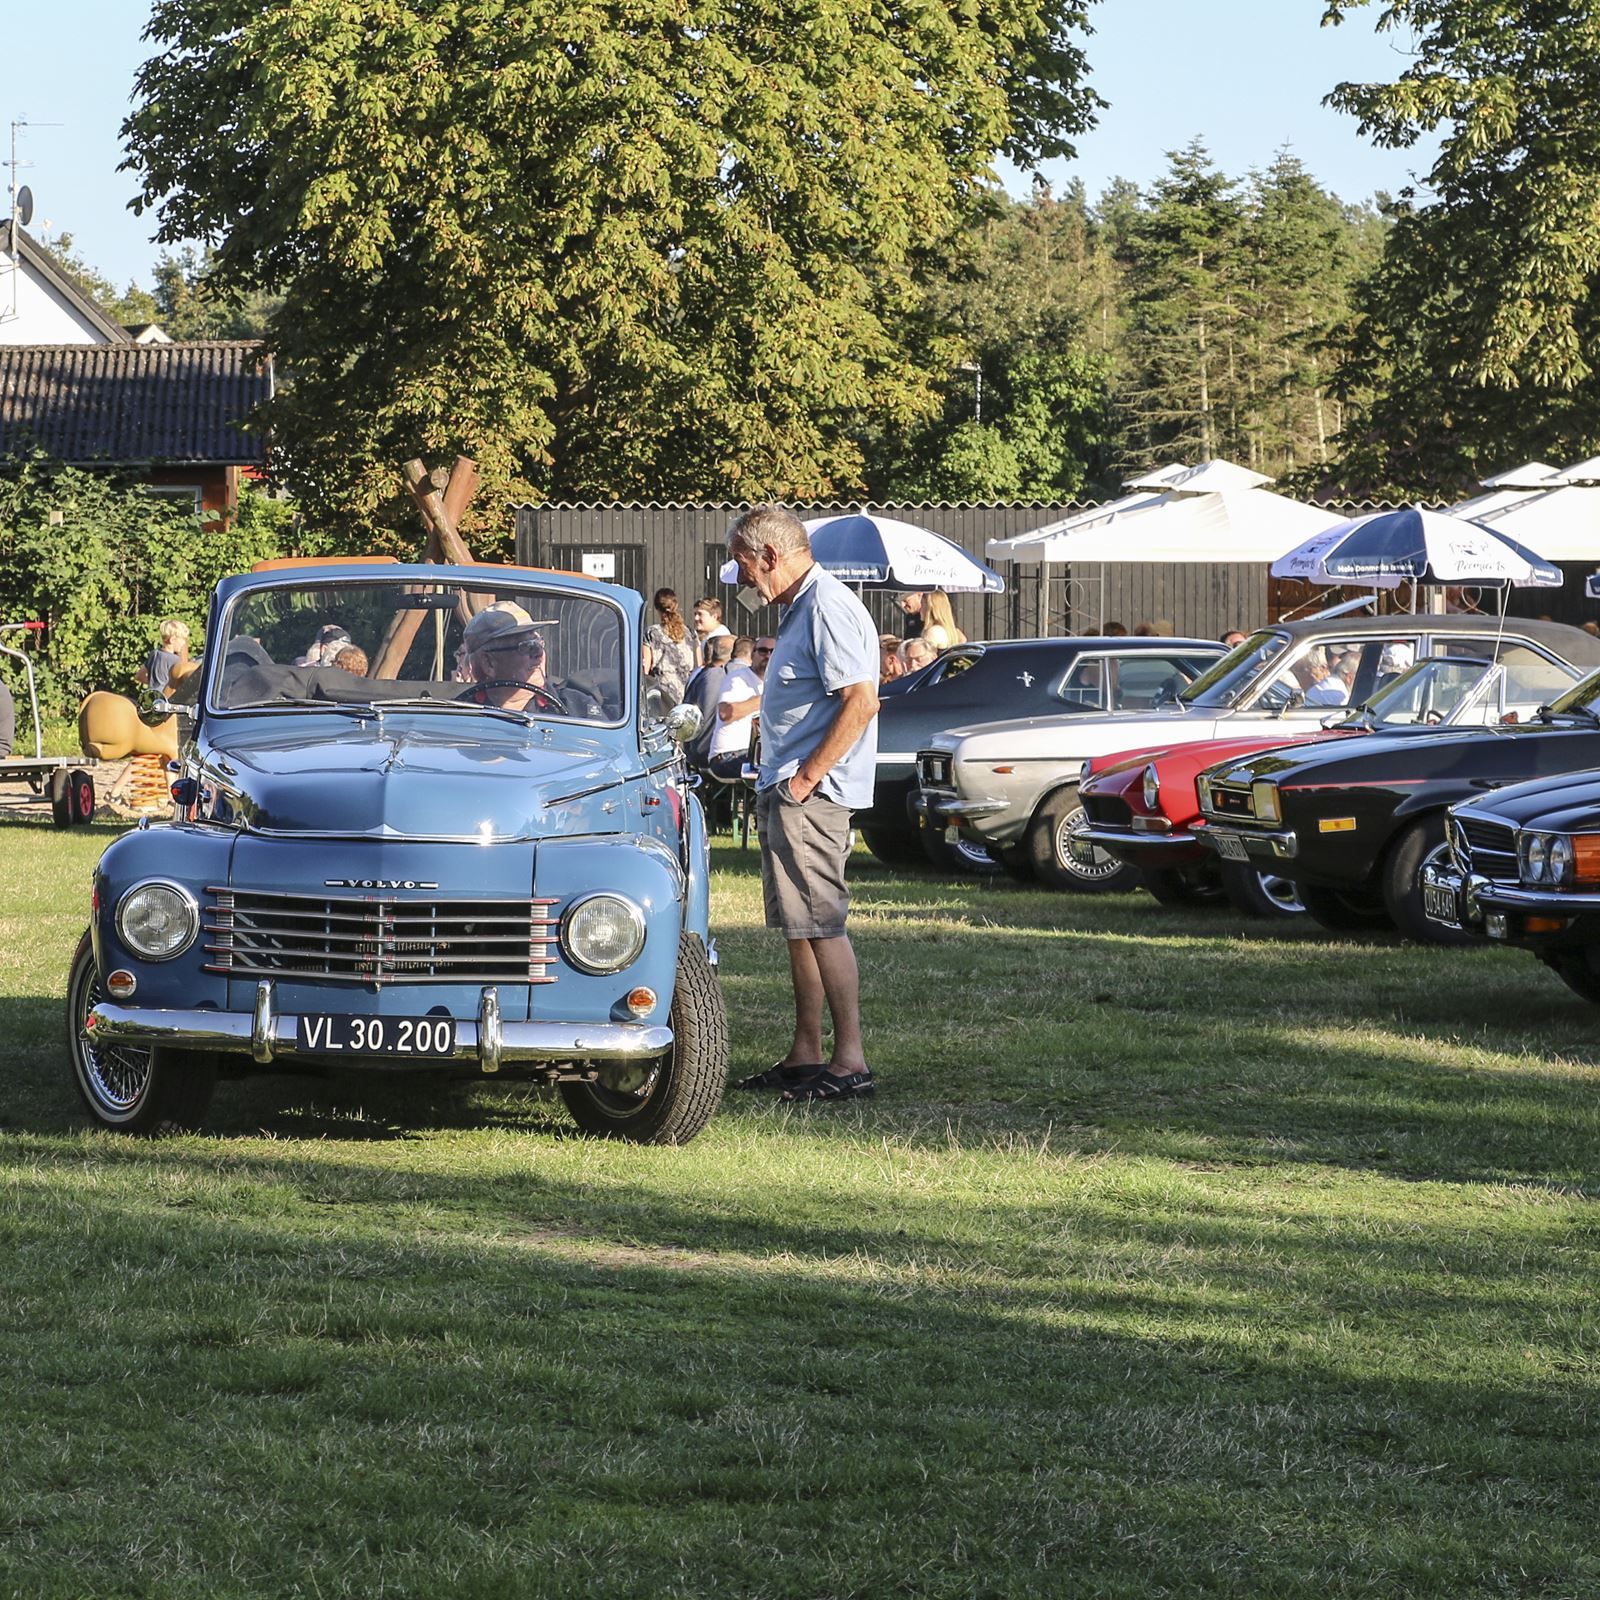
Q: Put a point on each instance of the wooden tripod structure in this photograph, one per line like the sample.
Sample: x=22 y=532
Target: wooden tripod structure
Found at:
x=442 y=506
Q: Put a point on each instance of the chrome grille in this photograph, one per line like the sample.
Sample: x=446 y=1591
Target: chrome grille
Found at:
x=1489 y=848
x=356 y=939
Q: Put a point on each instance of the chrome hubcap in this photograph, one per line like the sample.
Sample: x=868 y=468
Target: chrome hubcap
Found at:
x=1078 y=857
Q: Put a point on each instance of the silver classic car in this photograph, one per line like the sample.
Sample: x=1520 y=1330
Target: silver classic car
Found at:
x=422 y=818
x=1014 y=785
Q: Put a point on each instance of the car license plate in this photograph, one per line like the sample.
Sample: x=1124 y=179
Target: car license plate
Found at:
x=1231 y=847
x=377 y=1036
x=1439 y=904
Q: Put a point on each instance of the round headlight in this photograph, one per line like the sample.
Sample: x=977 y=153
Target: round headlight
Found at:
x=1535 y=858
x=1083 y=772
x=157 y=920
x=603 y=933
x=1558 y=859
x=1152 y=789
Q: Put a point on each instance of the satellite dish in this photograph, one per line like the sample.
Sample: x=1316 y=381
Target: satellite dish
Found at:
x=24 y=205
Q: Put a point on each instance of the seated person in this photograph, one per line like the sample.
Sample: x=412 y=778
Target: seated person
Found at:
x=737 y=703
x=1323 y=686
x=508 y=664
x=352 y=658
x=507 y=660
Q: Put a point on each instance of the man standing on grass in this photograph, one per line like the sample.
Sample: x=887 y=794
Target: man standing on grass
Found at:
x=819 y=751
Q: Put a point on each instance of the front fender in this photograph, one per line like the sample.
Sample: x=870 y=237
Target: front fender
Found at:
x=189 y=857
x=697 y=850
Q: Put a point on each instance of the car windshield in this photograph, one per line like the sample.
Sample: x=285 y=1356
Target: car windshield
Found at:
x=501 y=648
x=1224 y=682
x=1582 y=699
x=1465 y=690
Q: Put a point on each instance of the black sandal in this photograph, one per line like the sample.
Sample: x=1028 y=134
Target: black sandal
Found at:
x=780 y=1076
x=832 y=1086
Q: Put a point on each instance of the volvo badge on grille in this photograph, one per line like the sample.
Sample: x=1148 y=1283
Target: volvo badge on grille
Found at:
x=377 y=883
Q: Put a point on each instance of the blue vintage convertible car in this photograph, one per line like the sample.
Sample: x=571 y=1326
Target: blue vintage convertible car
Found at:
x=422 y=852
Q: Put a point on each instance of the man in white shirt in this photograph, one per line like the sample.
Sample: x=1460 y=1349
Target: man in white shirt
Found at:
x=737 y=704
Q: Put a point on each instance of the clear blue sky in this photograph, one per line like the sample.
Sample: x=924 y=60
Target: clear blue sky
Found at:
x=1246 y=75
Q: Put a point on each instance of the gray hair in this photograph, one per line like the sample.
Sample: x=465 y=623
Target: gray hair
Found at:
x=764 y=525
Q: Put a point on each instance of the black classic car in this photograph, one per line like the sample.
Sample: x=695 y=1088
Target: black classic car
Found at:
x=1524 y=869
x=1012 y=678
x=1353 y=822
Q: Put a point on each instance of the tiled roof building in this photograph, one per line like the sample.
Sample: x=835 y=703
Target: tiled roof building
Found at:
x=180 y=404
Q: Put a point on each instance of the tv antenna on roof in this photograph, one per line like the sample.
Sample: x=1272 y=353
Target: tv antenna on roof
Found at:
x=21 y=210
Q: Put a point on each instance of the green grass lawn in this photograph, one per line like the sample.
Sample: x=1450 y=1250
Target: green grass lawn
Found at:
x=1178 y=1255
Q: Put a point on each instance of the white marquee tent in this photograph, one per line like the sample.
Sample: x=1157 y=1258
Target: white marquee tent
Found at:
x=1562 y=522
x=1215 y=512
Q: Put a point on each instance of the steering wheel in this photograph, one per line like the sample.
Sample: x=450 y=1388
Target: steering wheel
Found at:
x=543 y=699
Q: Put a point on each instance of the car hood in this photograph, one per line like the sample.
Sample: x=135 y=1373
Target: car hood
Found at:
x=1567 y=804
x=493 y=780
x=1407 y=752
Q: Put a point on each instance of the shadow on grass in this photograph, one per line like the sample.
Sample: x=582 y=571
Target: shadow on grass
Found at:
x=518 y=1371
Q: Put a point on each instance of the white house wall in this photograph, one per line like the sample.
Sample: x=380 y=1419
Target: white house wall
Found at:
x=33 y=311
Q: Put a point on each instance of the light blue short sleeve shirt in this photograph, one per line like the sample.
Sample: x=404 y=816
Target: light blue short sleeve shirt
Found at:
x=825 y=641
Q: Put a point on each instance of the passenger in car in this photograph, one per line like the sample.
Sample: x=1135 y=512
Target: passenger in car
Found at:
x=507 y=658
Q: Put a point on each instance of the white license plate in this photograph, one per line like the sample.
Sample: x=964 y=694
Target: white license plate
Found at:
x=1231 y=847
x=1439 y=905
x=376 y=1036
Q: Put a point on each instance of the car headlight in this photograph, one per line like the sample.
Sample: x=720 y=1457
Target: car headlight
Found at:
x=1558 y=859
x=1264 y=801
x=1531 y=850
x=1083 y=771
x=603 y=933
x=1202 y=789
x=1151 y=788
x=157 y=920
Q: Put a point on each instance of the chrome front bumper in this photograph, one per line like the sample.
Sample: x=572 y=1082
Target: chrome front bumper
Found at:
x=266 y=1036
x=952 y=808
x=1114 y=838
x=1281 y=846
x=1477 y=895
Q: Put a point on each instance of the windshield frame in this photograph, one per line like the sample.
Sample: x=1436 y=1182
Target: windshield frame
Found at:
x=1231 y=675
x=494 y=580
x=1579 y=696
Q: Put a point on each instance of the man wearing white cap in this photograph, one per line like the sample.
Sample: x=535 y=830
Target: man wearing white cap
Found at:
x=506 y=658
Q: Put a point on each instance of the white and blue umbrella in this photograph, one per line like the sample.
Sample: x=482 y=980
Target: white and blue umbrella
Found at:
x=1591 y=586
x=1387 y=548
x=881 y=553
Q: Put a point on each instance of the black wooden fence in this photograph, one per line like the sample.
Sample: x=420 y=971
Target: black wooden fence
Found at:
x=681 y=547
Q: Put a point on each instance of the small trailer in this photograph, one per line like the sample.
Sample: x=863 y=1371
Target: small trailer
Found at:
x=68 y=780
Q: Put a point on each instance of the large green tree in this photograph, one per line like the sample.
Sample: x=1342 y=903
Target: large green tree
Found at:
x=1480 y=341
x=647 y=247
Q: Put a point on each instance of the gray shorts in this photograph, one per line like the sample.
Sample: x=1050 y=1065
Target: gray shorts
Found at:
x=803 y=851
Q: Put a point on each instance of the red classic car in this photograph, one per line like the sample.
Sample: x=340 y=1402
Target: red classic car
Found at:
x=1143 y=806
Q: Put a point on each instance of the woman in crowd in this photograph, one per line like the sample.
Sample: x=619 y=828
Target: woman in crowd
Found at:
x=669 y=650
x=939 y=622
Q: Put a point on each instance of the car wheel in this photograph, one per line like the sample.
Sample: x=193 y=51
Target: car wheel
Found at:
x=1183 y=886
x=893 y=847
x=678 y=1093
x=964 y=855
x=1061 y=863
x=1577 y=969
x=131 y=1088
x=1345 y=910
x=1421 y=845
x=1260 y=894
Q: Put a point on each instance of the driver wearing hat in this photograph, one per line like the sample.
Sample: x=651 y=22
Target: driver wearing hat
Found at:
x=506 y=659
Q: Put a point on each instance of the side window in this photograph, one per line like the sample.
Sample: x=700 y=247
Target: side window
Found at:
x=1147 y=679
x=1532 y=680
x=1084 y=684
